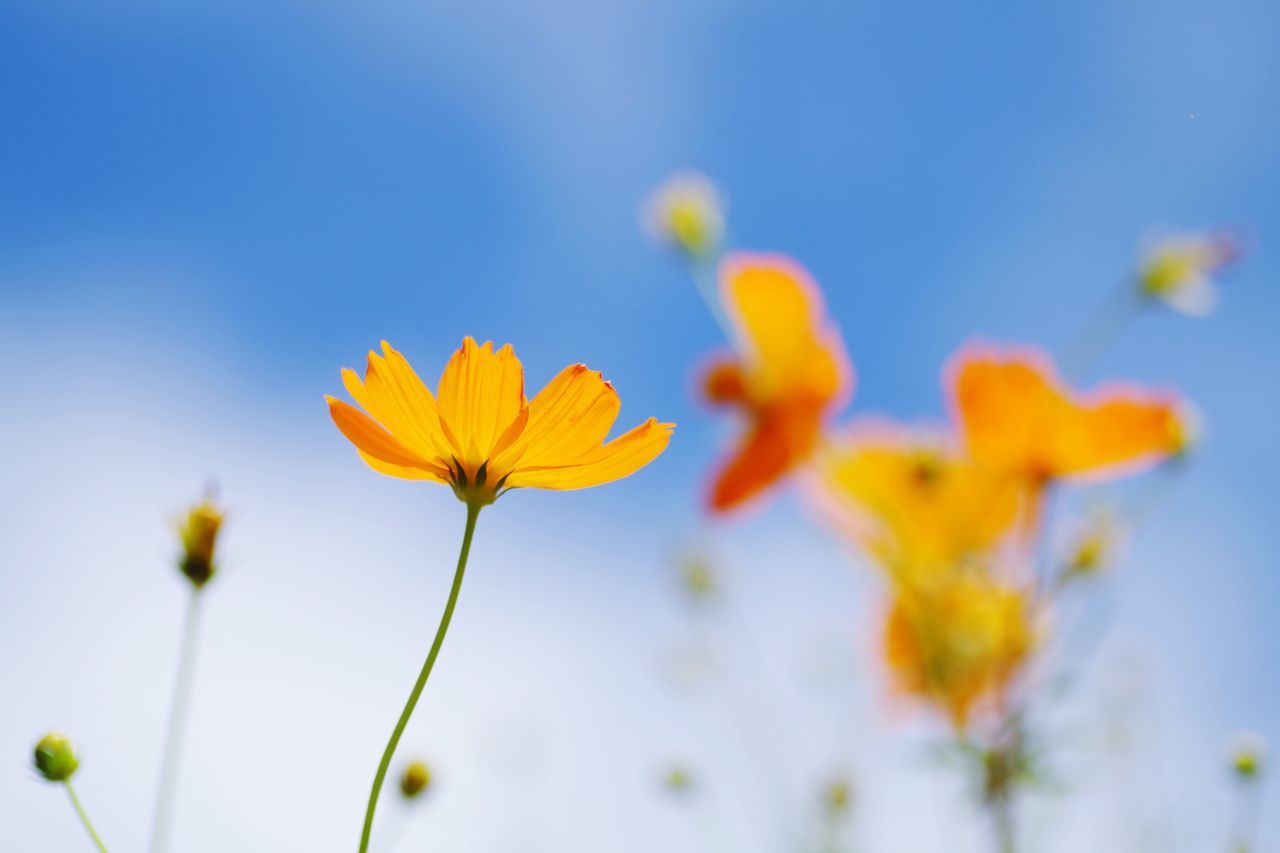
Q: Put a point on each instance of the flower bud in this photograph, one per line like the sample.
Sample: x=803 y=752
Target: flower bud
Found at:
x=54 y=758
x=677 y=781
x=837 y=798
x=686 y=212
x=1179 y=270
x=698 y=580
x=1247 y=755
x=198 y=531
x=415 y=779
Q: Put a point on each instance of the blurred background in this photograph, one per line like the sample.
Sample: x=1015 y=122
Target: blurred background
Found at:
x=207 y=209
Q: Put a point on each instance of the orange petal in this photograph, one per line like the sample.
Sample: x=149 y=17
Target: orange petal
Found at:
x=403 y=472
x=778 y=442
x=621 y=457
x=568 y=419
x=369 y=437
x=1121 y=430
x=723 y=382
x=786 y=344
x=481 y=392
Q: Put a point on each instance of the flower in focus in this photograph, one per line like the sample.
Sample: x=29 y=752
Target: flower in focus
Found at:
x=480 y=435
x=913 y=502
x=1179 y=270
x=198 y=531
x=959 y=645
x=789 y=372
x=54 y=758
x=1247 y=755
x=1016 y=417
x=686 y=212
x=415 y=779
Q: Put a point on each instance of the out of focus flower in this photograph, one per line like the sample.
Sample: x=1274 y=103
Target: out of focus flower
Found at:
x=686 y=212
x=837 y=798
x=198 y=531
x=1247 y=755
x=479 y=434
x=789 y=372
x=678 y=780
x=959 y=645
x=1093 y=545
x=1016 y=417
x=415 y=779
x=913 y=502
x=698 y=580
x=54 y=758
x=1179 y=270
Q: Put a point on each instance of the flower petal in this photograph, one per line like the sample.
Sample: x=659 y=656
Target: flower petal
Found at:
x=778 y=442
x=481 y=393
x=568 y=419
x=369 y=437
x=1123 y=429
x=621 y=457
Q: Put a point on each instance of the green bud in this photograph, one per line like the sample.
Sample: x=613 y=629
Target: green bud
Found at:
x=1247 y=756
x=415 y=779
x=54 y=758
x=678 y=780
x=837 y=797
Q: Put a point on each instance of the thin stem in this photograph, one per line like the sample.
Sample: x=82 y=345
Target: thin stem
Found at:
x=171 y=757
x=1002 y=823
x=1246 y=811
x=84 y=818
x=703 y=272
x=1102 y=331
x=473 y=512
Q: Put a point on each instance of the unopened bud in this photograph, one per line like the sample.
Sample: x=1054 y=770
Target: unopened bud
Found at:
x=54 y=758
x=838 y=797
x=678 y=781
x=1247 y=755
x=198 y=531
x=415 y=779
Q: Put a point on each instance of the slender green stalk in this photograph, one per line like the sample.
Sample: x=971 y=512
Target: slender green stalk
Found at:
x=84 y=818
x=1104 y=328
x=473 y=512
x=171 y=757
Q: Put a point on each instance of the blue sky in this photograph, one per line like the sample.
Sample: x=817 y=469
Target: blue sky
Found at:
x=206 y=209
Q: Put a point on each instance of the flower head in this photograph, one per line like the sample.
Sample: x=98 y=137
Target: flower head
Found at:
x=1016 y=417
x=913 y=501
x=961 y=644
x=1179 y=270
x=54 y=759
x=480 y=435
x=198 y=531
x=686 y=212
x=789 y=372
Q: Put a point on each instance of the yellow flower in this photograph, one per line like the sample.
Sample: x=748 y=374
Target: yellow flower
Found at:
x=1179 y=270
x=479 y=434
x=960 y=645
x=913 y=502
x=198 y=531
x=686 y=212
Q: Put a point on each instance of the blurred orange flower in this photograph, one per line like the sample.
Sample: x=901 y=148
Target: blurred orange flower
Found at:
x=1016 y=417
x=913 y=501
x=960 y=645
x=789 y=372
x=480 y=435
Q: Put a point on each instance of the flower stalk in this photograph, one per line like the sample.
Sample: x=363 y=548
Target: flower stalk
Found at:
x=171 y=757
x=84 y=818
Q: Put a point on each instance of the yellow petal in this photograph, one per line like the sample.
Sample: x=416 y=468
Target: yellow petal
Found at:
x=369 y=437
x=481 y=393
x=403 y=472
x=569 y=418
x=623 y=456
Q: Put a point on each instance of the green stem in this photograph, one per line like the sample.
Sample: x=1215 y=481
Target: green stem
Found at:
x=473 y=512
x=84 y=818
x=171 y=757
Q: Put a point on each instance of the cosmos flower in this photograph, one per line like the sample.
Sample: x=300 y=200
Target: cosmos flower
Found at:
x=686 y=212
x=960 y=645
x=913 y=501
x=1180 y=270
x=480 y=435
x=789 y=372
x=1015 y=416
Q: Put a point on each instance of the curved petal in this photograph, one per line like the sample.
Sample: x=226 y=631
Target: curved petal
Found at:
x=569 y=418
x=403 y=472
x=481 y=393
x=1122 y=430
x=777 y=442
x=370 y=438
x=621 y=457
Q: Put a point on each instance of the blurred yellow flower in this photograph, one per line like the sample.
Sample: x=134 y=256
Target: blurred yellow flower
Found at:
x=789 y=372
x=1016 y=417
x=913 y=502
x=480 y=435
x=198 y=531
x=1179 y=270
x=686 y=212
x=959 y=645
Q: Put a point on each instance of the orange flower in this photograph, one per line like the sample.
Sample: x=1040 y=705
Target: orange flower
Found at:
x=960 y=646
x=480 y=435
x=916 y=504
x=789 y=372
x=1016 y=417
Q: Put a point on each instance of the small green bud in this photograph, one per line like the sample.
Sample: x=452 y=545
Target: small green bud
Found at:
x=838 y=797
x=415 y=779
x=678 y=781
x=698 y=579
x=1247 y=755
x=54 y=758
